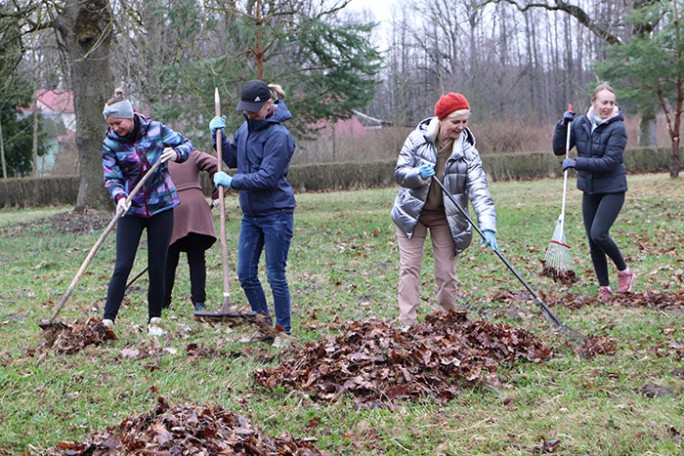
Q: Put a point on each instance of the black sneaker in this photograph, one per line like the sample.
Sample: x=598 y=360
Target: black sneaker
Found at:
x=199 y=306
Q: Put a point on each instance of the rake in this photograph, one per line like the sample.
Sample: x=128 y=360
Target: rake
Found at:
x=557 y=258
x=229 y=311
x=561 y=328
x=52 y=323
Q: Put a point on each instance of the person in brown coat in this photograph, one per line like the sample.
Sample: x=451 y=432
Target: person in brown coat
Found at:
x=193 y=228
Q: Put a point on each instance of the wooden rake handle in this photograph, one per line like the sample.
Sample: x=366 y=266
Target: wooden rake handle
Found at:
x=222 y=208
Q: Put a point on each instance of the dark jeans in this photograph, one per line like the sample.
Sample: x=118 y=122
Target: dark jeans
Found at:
x=194 y=245
x=128 y=233
x=599 y=213
x=272 y=233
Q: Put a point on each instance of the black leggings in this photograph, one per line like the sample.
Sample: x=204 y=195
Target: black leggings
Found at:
x=194 y=245
x=128 y=233
x=599 y=213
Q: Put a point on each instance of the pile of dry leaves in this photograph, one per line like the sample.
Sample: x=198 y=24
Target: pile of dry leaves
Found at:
x=69 y=339
x=375 y=362
x=187 y=429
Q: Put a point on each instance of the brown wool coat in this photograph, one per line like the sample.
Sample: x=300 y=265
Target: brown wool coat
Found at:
x=193 y=214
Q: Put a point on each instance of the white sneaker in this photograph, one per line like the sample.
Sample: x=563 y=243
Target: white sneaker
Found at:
x=108 y=323
x=155 y=327
x=281 y=342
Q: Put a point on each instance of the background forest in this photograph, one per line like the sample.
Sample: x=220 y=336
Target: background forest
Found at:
x=519 y=63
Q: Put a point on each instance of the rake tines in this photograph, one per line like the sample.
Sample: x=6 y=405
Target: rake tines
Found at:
x=557 y=257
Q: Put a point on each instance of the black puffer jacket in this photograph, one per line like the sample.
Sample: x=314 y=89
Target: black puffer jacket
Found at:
x=600 y=154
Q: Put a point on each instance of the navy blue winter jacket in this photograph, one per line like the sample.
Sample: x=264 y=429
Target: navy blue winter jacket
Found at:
x=261 y=151
x=600 y=154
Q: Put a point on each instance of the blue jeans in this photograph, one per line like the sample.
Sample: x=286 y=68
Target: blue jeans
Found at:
x=273 y=233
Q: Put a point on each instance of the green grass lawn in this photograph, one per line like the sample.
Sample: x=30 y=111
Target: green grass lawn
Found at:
x=344 y=266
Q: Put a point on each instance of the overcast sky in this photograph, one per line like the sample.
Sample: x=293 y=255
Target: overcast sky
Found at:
x=381 y=9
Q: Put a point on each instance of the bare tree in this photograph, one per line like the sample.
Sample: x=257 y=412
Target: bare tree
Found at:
x=607 y=33
x=85 y=31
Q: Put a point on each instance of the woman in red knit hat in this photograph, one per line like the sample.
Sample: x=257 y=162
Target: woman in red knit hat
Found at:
x=440 y=146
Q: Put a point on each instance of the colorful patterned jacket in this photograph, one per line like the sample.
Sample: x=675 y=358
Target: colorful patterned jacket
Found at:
x=125 y=162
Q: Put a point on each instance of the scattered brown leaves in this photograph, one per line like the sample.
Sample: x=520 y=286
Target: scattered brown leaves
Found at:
x=184 y=430
x=378 y=363
x=597 y=345
x=546 y=447
x=650 y=298
x=69 y=339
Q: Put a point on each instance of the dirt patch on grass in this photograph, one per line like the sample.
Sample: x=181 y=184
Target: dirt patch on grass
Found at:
x=65 y=222
x=80 y=222
x=377 y=363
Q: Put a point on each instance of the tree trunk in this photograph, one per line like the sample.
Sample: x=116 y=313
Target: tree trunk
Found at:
x=36 y=172
x=85 y=30
x=647 y=127
x=2 y=152
x=674 y=160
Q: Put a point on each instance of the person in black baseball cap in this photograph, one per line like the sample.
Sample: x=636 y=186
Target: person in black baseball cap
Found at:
x=261 y=150
x=253 y=96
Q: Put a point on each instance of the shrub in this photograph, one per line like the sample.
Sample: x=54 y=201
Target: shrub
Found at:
x=47 y=191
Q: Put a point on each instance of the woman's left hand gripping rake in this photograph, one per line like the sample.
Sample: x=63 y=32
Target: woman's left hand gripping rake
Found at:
x=558 y=263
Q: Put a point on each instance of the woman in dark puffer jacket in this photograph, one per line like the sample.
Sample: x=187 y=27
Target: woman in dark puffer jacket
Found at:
x=600 y=139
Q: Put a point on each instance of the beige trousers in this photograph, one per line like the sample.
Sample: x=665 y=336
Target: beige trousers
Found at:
x=411 y=260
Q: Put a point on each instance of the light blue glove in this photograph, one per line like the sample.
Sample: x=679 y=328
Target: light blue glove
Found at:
x=427 y=170
x=489 y=240
x=217 y=123
x=222 y=178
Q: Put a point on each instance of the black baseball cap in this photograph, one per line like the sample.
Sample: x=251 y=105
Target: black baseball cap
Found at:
x=253 y=95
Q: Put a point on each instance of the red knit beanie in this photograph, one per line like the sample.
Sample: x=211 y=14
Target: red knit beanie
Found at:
x=449 y=103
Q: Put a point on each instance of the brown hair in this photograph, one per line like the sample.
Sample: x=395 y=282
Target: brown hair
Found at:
x=600 y=87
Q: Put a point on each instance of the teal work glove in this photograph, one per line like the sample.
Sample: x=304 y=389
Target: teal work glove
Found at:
x=222 y=178
x=427 y=170
x=217 y=123
x=489 y=240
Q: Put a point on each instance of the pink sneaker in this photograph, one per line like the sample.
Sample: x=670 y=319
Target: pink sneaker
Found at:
x=625 y=280
x=604 y=293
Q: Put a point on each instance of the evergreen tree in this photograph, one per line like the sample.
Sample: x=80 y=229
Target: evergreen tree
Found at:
x=17 y=131
x=651 y=66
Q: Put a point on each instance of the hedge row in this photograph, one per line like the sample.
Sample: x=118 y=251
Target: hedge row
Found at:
x=537 y=165
x=48 y=191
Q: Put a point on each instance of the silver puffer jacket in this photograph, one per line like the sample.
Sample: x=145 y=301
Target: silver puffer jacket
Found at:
x=463 y=177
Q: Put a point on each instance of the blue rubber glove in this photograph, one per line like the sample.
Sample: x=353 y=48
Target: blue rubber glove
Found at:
x=217 y=123
x=489 y=240
x=569 y=163
x=222 y=178
x=427 y=170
